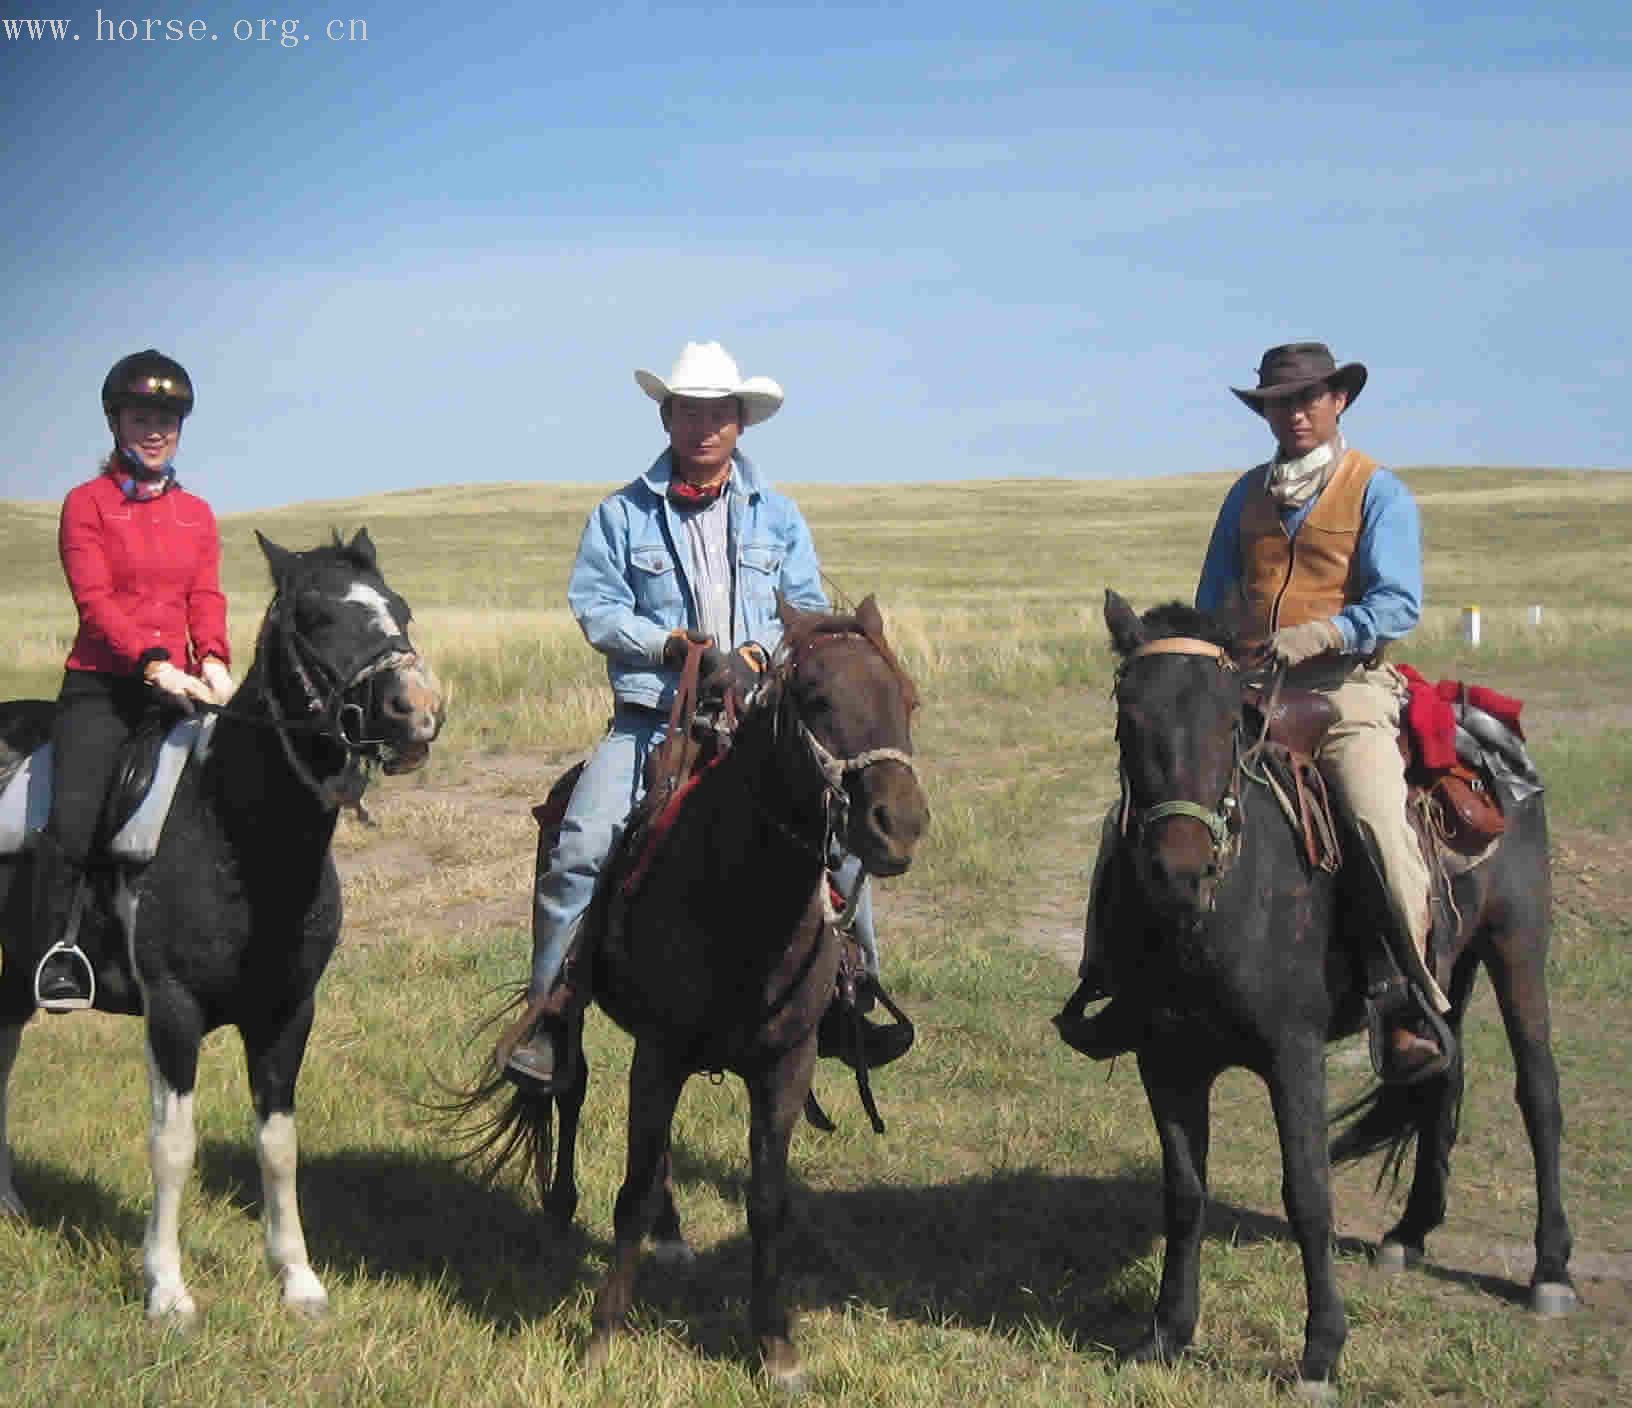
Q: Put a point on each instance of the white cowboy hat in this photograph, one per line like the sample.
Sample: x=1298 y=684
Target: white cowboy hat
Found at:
x=706 y=370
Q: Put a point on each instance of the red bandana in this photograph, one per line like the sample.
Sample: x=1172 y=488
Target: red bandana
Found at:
x=683 y=494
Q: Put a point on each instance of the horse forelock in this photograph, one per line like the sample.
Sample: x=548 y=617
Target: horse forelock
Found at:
x=1175 y=618
x=814 y=631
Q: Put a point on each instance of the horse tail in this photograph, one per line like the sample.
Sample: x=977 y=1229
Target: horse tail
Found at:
x=492 y=1123
x=1389 y=1118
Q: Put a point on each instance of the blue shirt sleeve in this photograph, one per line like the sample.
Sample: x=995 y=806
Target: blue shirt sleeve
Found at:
x=1387 y=568
x=1221 y=569
x=801 y=571
x=600 y=595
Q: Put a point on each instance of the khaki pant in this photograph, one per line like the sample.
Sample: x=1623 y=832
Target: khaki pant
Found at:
x=1360 y=760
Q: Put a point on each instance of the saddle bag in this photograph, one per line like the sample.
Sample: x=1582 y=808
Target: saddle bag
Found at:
x=1469 y=816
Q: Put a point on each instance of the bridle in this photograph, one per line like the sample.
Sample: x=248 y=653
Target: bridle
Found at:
x=833 y=769
x=326 y=712
x=1223 y=821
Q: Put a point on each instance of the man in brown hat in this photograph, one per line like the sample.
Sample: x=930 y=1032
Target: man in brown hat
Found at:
x=1321 y=550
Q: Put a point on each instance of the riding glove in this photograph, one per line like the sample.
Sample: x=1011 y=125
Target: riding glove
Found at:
x=737 y=670
x=218 y=678
x=678 y=643
x=164 y=676
x=1292 y=645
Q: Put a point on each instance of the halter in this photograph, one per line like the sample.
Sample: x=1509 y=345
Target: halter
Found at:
x=1223 y=822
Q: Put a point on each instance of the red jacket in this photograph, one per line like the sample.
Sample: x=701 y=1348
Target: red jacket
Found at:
x=143 y=574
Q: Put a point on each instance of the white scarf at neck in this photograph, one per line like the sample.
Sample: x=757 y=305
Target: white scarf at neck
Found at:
x=1292 y=483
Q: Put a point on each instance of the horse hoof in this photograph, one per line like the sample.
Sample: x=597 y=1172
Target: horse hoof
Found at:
x=1551 y=1298
x=175 y=1309
x=673 y=1252
x=1155 y=1348
x=598 y=1351
x=783 y=1371
x=1393 y=1257
x=303 y=1293
x=1315 y=1391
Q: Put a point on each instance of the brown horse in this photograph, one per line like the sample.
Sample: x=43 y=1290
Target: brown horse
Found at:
x=1236 y=948
x=724 y=956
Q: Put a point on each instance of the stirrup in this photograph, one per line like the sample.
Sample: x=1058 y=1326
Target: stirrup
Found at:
x=65 y=1004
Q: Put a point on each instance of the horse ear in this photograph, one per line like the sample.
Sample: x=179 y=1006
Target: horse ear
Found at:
x=362 y=546
x=280 y=560
x=1127 y=631
x=870 y=618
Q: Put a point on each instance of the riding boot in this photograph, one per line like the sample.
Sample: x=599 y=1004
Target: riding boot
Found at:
x=64 y=978
x=540 y=1052
x=846 y=1034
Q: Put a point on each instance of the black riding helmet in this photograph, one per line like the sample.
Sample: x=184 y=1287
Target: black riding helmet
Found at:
x=147 y=379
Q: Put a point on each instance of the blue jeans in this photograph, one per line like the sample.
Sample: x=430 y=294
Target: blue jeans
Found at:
x=612 y=782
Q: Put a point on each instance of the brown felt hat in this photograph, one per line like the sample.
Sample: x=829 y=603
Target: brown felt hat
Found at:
x=1295 y=367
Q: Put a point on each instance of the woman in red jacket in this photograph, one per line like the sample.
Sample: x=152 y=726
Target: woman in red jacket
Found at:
x=143 y=561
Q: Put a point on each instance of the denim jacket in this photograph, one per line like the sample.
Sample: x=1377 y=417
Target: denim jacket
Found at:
x=630 y=584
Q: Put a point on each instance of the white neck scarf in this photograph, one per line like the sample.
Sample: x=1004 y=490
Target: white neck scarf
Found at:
x=1293 y=483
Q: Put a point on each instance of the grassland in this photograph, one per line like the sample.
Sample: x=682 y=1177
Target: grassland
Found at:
x=1006 y=1231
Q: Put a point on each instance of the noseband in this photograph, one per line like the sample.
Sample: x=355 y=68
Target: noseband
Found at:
x=1223 y=823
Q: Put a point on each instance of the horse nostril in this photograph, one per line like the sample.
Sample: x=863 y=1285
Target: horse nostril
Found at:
x=881 y=820
x=398 y=704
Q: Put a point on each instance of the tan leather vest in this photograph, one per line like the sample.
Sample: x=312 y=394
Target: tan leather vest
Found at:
x=1287 y=581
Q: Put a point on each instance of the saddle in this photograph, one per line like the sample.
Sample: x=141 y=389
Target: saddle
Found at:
x=144 y=785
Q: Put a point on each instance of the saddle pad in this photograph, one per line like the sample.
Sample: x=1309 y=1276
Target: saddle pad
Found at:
x=25 y=802
x=137 y=841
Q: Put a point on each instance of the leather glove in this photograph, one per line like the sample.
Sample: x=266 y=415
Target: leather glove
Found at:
x=1292 y=645
x=675 y=647
x=218 y=678
x=178 y=684
x=738 y=670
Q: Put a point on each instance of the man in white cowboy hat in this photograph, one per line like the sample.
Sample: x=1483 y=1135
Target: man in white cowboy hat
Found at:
x=1320 y=549
x=697 y=548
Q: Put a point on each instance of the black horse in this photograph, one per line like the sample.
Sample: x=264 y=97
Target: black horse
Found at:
x=1235 y=946
x=724 y=956
x=234 y=920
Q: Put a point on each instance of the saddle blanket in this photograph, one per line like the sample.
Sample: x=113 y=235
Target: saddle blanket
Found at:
x=25 y=798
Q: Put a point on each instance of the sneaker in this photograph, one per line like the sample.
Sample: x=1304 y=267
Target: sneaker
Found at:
x=542 y=1062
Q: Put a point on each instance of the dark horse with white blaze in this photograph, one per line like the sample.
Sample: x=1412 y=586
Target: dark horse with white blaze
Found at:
x=723 y=957
x=237 y=914
x=1237 y=948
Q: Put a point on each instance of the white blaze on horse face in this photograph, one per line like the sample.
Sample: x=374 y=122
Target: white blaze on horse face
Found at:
x=172 y=1143
x=365 y=595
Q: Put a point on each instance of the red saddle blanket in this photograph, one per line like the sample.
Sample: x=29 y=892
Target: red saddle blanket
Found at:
x=1430 y=716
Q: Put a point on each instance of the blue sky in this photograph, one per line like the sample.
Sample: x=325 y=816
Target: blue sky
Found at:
x=969 y=240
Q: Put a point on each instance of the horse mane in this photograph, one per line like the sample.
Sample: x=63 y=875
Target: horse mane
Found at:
x=811 y=627
x=1175 y=618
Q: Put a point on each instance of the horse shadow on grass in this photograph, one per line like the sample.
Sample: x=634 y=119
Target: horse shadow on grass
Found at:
x=1012 y=1250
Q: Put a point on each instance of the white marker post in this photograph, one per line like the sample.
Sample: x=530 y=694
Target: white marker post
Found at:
x=1535 y=615
x=1470 y=624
